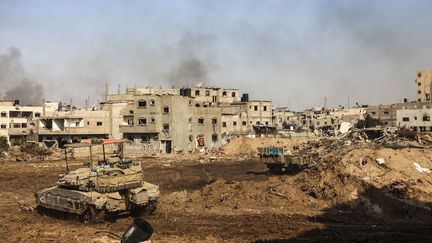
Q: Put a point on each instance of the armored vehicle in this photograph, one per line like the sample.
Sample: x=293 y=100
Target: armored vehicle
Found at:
x=113 y=185
x=280 y=163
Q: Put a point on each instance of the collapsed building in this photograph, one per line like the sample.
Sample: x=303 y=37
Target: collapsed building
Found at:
x=318 y=119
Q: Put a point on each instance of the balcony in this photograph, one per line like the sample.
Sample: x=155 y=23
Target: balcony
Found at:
x=74 y=131
x=18 y=131
x=149 y=128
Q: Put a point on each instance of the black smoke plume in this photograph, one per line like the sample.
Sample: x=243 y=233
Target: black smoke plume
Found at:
x=14 y=81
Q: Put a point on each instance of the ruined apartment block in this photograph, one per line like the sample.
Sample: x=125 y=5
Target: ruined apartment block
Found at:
x=97 y=122
x=188 y=119
x=239 y=114
x=169 y=123
x=17 y=122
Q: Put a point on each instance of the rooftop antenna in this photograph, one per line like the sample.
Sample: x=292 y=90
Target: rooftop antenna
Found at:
x=289 y=103
x=348 y=102
x=325 y=102
x=118 y=89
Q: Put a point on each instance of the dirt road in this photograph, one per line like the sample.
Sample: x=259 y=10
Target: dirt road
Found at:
x=302 y=223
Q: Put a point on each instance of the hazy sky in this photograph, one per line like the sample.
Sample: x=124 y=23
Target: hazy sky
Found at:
x=278 y=50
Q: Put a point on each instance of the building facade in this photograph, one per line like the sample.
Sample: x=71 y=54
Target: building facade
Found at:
x=17 y=122
x=423 y=86
x=170 y=123
x=102 y=121
x=387 y=113
x=416 y=119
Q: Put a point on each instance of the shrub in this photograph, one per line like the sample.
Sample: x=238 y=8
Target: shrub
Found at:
x=4 y=145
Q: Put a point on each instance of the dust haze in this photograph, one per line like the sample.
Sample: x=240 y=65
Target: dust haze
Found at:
x=296 y=52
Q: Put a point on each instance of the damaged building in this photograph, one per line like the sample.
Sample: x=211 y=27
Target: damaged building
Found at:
x=418 y=120
x=188 y=119
x=18 y=122
x=60 y=127
x=166 y=123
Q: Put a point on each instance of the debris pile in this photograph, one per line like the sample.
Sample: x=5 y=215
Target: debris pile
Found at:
x=31 y=151
x=363 y=171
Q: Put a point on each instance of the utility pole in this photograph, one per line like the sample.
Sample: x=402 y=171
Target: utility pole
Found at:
x=106 y=91
x=289 y=103
x=348 y=102
x=325 y=102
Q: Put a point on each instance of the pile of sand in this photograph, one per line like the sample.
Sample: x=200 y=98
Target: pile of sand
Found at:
x=350 y=179
x=275 y=194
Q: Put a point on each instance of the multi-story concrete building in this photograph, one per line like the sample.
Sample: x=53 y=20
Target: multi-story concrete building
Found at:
x=423 y=86
x=187 y=119
x=240 y=118
x=387 y=113
x=260 y=112
x=283 y=115
x=211 y=96
x=96 y=122
x=352 y=114
x=416 y=119
x=168 y=123
x=17 y=122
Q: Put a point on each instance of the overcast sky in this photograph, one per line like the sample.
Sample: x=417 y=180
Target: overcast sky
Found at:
x=300 y=51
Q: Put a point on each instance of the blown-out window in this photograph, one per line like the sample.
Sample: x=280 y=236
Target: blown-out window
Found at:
x=201 y=121
x=142 y=121
x=142 y=103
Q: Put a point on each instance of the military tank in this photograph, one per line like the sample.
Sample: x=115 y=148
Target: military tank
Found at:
x=112 y=186
x=280 y=163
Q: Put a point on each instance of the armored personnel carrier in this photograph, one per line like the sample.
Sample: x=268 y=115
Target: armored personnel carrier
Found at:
x=113 y=185
x=280 y=163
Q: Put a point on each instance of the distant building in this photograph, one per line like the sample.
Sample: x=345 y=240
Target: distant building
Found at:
x=188 y=119
x=76 y=124
x=17 y=122
x=423 y=86
x=387 y=113
x=415 y=119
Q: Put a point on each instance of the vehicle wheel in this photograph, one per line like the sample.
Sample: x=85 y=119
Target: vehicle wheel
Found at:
x=89 y=215
x=40 y=210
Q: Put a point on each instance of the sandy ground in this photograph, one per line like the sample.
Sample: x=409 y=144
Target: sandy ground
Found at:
x=232 y=198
